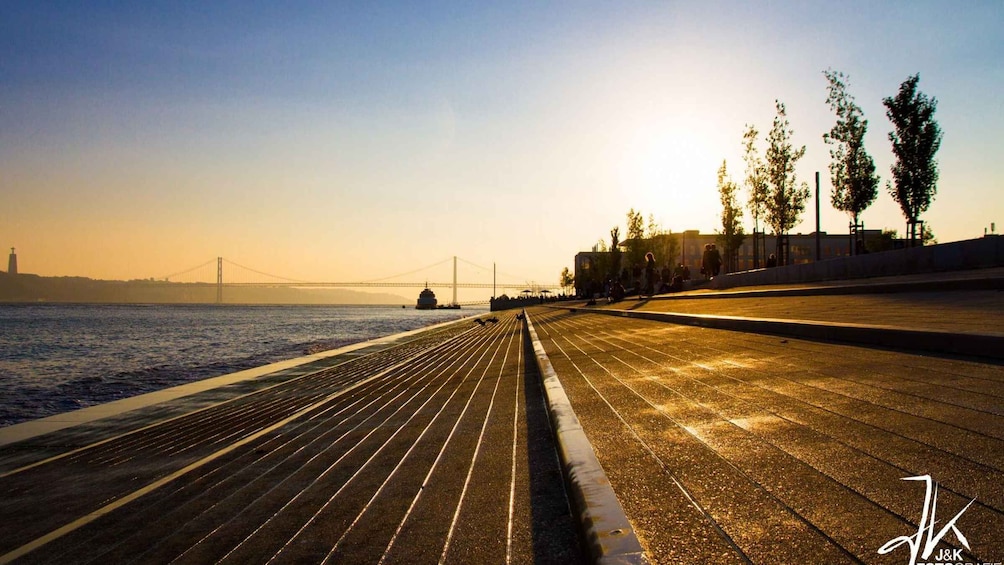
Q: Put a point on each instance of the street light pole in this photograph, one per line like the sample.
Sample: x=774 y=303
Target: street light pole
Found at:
x=819 y=241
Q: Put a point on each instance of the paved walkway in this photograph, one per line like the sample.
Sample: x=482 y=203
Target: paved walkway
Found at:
x=437 y=450
x=979 y=312
x=730 y=447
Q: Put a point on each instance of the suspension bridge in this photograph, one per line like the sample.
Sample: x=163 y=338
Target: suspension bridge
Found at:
x=223 y=273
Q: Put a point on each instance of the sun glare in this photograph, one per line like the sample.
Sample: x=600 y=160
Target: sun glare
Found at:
x=670 y=172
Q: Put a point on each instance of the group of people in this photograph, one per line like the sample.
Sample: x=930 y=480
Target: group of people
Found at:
x=711 y=261
x=666 y=281
x=711 y=266
x=505 y=302
x=648 y=280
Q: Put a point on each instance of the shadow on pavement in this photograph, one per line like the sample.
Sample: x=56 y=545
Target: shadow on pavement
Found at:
x=554 y=530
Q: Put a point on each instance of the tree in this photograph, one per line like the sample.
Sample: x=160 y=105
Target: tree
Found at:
x=653 y=226
x=785 y=200
x=915 y=140
x=885 y=241
x=662 y=243
x=732 y=235
x=756 y=185
x=852 y=170
x=635 y=238
x=927 y=236
x=567 y=280
x=615 y=253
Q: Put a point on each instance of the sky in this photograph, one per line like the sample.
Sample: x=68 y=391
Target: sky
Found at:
x=335 y=141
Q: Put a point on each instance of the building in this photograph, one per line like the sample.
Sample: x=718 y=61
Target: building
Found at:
x=593 y=267
x=12 y=262
x=802 y=247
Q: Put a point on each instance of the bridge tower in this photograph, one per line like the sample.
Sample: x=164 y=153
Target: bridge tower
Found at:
x=219 y=280
x=455 y=280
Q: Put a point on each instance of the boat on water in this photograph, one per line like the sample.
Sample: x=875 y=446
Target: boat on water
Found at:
x=427 y=301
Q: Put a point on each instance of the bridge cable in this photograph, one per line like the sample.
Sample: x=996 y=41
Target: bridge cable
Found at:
x=409 y=272
x=186 y=271
x=229 y=262
x=497 y=272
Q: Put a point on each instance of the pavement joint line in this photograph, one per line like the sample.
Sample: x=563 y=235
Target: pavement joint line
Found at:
x=442 y=409
x=35 y=428
x=894 y=337
x=470 y=468
x=609 y=535
x=94 y=515
x=441 y=365
x=357 y=472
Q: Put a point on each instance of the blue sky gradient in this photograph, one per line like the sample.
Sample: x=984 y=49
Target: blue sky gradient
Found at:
x=140 y=138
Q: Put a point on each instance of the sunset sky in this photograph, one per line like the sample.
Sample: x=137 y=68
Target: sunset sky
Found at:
x=349 y=141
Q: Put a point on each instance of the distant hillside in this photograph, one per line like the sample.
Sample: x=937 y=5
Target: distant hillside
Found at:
x=33 y=288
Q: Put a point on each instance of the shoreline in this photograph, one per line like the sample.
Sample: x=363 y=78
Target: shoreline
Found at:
x=39 y=426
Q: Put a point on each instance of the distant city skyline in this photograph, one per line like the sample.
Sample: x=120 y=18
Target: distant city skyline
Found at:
x=349 y=142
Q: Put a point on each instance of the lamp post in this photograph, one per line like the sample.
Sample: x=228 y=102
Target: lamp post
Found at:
x=819 y=242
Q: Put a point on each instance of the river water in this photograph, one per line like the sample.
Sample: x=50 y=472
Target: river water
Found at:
x=58 y=357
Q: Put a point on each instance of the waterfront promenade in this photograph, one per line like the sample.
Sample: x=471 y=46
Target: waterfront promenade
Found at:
x=429 y=448
x=721 y=446
x=732 y=447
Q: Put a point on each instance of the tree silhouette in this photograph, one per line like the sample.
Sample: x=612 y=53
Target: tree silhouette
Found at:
x=635 y=238
x=756 y=186
x=852 y=170
x=615 y=253
x=567 y=280
x=732 y=235
x=662 y=243
x=785 y=200
x=915 y=140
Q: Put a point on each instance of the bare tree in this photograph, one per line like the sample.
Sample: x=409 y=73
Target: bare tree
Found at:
x=785 y=199
x=852 y=170
x=915 y=140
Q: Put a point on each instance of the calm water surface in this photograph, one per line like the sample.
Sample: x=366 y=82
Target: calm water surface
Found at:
x=55 y=358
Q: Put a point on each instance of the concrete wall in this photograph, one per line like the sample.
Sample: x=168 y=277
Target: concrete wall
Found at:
x=980 y=253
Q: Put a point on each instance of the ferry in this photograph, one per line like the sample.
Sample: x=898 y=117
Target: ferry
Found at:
x=427 y=301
